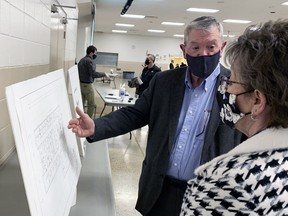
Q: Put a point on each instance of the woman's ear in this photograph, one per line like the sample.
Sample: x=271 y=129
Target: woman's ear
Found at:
x=260 y=102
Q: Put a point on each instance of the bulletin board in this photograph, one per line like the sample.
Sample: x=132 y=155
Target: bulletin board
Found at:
x=107 y=59
x=50 y=164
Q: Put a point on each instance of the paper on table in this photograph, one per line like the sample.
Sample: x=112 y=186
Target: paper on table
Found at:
x=112 y=97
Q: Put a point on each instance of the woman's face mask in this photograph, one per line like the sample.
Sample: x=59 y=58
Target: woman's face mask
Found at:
x=229 y=111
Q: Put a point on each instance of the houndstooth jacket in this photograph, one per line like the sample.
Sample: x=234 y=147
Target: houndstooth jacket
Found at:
x=251 y=179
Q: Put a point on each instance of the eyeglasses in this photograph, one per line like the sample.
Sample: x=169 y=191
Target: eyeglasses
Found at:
x=225 y=82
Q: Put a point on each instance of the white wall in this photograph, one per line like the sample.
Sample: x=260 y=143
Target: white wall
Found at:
x=25 y=48
x=19 y=22
x=133 y=48
x=71 y=35
x=83 y=41
x=24 y=52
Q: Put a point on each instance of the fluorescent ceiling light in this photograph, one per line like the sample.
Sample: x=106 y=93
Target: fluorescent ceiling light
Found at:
x=133 y=16
x=172 y=23
x=254 y=28
x=119 y=31
x=236 y=21
x=285 y=3
x=204 y=10
x=157 y=31
x=178 y=35
x=124 y=25
x=230 y=36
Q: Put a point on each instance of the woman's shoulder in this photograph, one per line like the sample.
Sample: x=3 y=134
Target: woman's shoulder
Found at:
x=231 y=164
x=240 y=182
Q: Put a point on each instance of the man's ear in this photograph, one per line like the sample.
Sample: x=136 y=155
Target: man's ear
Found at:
x=222 y=47
x=182 y=47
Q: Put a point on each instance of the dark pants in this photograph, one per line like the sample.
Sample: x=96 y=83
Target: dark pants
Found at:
x=170 y=200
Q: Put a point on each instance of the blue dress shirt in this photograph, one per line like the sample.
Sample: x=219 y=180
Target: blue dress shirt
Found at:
x=195 y=112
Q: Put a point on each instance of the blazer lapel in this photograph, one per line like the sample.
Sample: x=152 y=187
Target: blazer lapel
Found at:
x=175 y=103
x=215 y=112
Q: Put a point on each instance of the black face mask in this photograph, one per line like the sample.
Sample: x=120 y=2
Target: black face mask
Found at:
x=147 y=62
x=203 y=66
x=94 y=56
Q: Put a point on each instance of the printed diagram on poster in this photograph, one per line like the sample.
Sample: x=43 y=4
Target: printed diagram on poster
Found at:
x=48 y=154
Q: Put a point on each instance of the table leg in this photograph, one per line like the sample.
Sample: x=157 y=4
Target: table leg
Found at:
x=114 y=83
x=103 y=110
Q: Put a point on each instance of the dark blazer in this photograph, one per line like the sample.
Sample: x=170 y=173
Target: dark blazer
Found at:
x=146 y=76
x=160 y=107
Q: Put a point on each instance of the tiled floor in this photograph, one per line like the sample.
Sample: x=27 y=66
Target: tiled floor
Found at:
x=126 y=158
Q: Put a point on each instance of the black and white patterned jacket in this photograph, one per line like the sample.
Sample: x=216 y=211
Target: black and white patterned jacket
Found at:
x=251 y=179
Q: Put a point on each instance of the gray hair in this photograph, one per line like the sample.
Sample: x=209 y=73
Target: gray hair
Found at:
x=204 y=23
x=260 y=57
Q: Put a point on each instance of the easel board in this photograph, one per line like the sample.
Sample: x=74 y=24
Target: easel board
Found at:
x=75 y=91
x=47 y=151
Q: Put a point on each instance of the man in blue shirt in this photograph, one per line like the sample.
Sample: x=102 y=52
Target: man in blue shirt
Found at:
x=182 y=113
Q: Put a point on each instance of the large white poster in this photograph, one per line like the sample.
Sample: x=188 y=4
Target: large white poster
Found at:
x=74 y=86
x=48 y=154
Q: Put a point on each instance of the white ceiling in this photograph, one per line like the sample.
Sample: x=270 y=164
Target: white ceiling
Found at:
x=157 y=11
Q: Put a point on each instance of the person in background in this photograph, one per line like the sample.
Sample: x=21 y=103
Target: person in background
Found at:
x=252 y=178
x=182 y=113
x=171 y=65
x=177 y=66
x=87 y=74
x=149 y=70
x=183 y=64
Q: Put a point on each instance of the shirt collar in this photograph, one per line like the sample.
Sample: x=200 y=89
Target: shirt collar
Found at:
x=207 y=83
